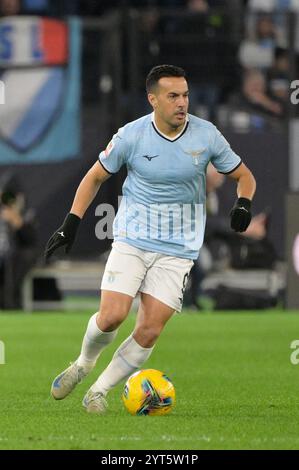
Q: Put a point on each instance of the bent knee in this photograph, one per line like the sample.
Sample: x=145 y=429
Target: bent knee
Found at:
x=147 y=335
x=110 y=319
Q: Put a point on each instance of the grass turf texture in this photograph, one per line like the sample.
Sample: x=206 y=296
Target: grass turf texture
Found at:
x=236 y=387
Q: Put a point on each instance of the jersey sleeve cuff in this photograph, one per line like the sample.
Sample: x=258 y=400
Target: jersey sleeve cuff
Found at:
x=110 y=172
x=231 y=171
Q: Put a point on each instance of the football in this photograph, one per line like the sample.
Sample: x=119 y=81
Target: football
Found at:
x=149 y=392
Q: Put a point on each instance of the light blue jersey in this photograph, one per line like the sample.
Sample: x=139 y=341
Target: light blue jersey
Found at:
x=164 y=194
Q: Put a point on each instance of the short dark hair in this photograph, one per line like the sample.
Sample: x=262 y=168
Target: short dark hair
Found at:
x=161 y=71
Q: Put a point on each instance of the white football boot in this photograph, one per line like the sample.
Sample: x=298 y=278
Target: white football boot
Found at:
x=95 y=402
x=65 y=382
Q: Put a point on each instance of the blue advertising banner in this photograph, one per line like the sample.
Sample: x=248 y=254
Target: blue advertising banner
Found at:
x=40 y=77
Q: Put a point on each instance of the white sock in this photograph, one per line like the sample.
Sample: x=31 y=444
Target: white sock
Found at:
x=93 y=343
x=126 y=360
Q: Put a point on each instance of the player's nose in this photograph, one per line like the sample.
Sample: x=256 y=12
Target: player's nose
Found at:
x=182 y=104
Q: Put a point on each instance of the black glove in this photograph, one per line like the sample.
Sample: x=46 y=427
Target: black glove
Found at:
x=64 y=236
x=240 y=215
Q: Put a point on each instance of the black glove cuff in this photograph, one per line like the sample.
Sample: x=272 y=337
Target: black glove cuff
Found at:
x=244 y=202
x=71 y=222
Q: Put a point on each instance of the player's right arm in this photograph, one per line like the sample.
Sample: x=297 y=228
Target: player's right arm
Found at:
x=86 y=192
x=110 y=161
x=88 y=189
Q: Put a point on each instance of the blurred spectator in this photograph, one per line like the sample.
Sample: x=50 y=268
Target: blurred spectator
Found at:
x=278 y=8
x=287 y=27
x=253 y=97
x=10 y=7
x=258 y=52
x=17 y=241
x=198 y=6
x=278 y=77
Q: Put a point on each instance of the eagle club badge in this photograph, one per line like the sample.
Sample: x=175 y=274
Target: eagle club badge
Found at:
x=195 y=154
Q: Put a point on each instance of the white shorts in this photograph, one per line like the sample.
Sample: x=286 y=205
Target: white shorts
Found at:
x=130 y=270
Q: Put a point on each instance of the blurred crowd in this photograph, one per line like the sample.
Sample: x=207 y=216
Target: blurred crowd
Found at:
x=88 y=7
x=237 y=53
x=267 y=60
x=240 y=57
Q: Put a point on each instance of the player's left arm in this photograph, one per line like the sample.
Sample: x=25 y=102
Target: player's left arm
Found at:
x=246 y=185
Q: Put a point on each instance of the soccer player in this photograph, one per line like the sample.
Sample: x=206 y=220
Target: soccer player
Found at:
x=158 y=230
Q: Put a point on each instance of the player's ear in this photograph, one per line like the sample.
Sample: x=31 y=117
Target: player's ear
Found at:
x=152 y=99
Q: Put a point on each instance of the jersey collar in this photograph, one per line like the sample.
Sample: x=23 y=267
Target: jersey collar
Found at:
x=166 y=136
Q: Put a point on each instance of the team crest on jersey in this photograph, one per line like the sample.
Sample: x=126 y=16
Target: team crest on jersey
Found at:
x=195 y=154
x=109 y=148
x=112 y=275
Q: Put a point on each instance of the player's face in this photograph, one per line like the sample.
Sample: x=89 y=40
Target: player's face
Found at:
x=170 y=100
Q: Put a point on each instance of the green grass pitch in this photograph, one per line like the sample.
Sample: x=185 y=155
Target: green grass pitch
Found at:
x=236 y=387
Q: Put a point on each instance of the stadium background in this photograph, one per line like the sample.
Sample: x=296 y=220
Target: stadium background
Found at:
x=120 y=42
x=109 y=46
